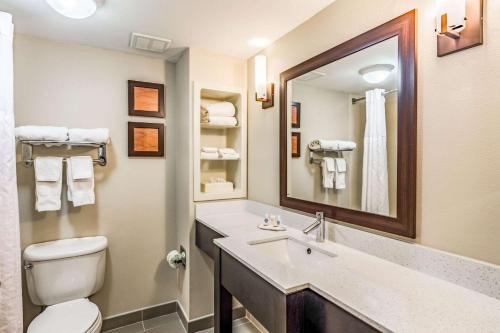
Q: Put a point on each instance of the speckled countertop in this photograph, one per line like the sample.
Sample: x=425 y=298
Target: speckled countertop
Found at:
x=388 y=296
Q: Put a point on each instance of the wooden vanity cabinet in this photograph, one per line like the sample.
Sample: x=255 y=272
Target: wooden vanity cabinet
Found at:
x=300 y=312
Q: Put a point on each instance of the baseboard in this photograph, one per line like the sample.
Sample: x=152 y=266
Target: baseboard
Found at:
x=136 y=316
x=195 y=325
x=205 y=322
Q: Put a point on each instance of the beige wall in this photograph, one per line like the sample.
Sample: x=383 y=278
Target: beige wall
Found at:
x=458 y=122
x=196 y=282
x=77 y=86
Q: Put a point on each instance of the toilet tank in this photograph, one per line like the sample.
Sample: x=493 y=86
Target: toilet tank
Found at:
x=64 y=270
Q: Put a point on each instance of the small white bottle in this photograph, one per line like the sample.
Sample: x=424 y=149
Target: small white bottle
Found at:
x=266 y=219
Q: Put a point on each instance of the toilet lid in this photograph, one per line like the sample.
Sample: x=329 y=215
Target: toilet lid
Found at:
x=72 y=316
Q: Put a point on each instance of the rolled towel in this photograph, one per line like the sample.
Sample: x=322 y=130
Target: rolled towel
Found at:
x=97 y=135
x=209 y=156
x=225 y=121
x=218 y=108
x=42 y=133
x=203 y=116
x=332 y=145
x=209 y=149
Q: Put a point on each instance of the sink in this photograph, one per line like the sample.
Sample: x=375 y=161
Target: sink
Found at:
x=292 y=252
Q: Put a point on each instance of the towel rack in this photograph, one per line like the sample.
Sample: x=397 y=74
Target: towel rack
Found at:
x=27 y=150
x=313 y=160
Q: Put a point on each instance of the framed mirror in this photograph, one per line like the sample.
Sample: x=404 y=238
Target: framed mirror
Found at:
x=354 y=109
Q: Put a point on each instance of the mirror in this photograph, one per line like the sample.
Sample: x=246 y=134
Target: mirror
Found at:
x=348 y=130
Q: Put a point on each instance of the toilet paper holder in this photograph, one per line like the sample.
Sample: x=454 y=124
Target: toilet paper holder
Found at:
x=177 y=257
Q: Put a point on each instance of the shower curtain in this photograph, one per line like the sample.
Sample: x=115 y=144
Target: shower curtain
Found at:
x=375 y=191
x=11 y=311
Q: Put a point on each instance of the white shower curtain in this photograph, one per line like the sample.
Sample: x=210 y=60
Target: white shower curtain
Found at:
x=375 y=192
x=11 y=311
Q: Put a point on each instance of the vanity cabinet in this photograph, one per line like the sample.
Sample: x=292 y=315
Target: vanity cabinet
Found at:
x=301 y=312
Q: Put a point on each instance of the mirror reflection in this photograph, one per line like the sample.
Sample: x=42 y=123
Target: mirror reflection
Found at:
x=342 y=126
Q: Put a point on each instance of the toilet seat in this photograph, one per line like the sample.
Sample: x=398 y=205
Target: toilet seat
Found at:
x=76 y=316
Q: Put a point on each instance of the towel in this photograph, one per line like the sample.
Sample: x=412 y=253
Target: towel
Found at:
x=332 y=145
x=328 y=172
x=226 y=121
x=80 y=191
x=228 y=154
x=48 y=183
x=209 y=156
x=94 y=135
x=209 y=149
x=340 y=171
x=218 y=108
x=42 y=133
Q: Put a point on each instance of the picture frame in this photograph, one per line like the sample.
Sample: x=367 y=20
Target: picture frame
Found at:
x=146 y=139
x=146 y=99
x=295 y=115
x=295 y=146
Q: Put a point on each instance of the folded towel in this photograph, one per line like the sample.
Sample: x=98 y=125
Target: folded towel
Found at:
x=80 y=191
x=331 y=145
x=227 y=121
x=328 y=176
x=97 y=135
x=82 y=167
x=218 y=108
x=42 y=133
x=229 y=156
x=209 y=149
x=340 y=171
x=209 y=156
x=48 y=183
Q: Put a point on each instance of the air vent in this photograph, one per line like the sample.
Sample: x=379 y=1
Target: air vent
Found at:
x=311 y=76
x=149 y=43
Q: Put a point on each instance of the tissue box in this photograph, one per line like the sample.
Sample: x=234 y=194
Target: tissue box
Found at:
x=217 y=187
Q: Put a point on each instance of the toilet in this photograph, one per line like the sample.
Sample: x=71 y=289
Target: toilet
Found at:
x=61 y=275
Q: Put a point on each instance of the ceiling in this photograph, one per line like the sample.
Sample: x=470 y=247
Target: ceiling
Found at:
x=221 y=26
x=343 y=75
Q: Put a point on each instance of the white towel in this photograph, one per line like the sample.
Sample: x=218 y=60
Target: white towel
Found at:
x=228 y=154
x=80 y=191
x=97 y=135
x=340 y=171
x=42 y=133
x=226 y=121
x=218 y=108
x=209 y=156
x=331 y=145
x=48 y=183
x=209 y=149
x=327 y=164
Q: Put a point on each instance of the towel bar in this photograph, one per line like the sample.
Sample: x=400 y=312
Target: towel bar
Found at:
x=313 y=160
x=27 y=150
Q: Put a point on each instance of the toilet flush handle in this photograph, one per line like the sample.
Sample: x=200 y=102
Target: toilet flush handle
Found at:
x=28 y=266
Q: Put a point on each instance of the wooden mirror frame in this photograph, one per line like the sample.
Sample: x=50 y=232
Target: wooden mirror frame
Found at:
x=404 y=224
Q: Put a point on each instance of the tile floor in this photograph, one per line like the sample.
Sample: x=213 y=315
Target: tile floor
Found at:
x=172 y=324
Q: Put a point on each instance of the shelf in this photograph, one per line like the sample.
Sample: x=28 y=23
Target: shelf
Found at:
x=210 y=126
x=61 y=143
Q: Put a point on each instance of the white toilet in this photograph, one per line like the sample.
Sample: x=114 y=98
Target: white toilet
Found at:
x=61 y=275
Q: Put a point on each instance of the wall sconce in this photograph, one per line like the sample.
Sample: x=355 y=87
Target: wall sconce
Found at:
x=264 y=92
x=459 y=25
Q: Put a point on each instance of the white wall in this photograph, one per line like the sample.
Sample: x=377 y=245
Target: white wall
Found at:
x=77 y=86
x=458 y=122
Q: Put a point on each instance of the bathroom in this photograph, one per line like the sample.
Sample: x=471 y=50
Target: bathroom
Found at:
x=265 y=220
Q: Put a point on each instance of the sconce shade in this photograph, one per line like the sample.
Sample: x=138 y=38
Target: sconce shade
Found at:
x=260 y=66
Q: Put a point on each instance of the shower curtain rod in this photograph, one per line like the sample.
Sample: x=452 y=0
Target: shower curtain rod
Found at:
x=355 y=100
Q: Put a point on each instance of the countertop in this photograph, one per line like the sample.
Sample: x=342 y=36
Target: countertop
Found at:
x=390 y=297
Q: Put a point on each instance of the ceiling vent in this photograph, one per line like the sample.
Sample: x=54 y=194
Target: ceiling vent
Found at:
x=149 y=43
x=311 y=76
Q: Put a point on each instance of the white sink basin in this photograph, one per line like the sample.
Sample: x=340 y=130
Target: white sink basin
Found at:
x=292 y=252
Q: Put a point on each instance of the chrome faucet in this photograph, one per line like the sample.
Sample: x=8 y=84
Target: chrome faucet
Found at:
x=318 y=224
